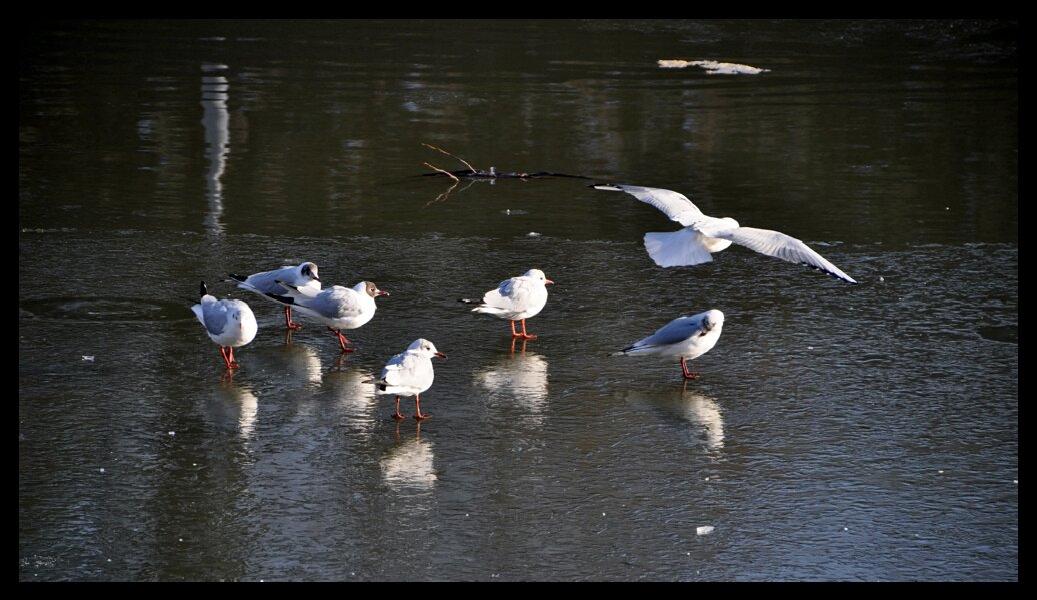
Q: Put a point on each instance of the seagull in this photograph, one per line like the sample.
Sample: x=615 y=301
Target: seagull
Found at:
x=515 y=299
x=409 y=373
x=304 y=277
x=686 y=337
x=703 y=235
x=337 y=307
x=230 y=323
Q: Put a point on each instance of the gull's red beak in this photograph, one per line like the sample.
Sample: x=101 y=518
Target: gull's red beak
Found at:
x=382 y=293
x=547 y=281
x=440 y=355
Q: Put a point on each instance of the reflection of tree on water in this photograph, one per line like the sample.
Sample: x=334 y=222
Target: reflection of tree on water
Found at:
x=522 y=377
x=409 y=464
x=215 y=119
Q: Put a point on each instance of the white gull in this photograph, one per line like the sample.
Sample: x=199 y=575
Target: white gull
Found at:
x=303 y=277
x=229 y=322
x=703 y=235
x=515 y=299
x=684 y=337
x=409 y=373
x=337 y=307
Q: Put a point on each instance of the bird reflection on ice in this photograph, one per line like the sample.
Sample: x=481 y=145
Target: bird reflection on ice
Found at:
x=689 y=405
x=522 y=377
x=409 y=464
x=303 y=363
x=703 y=410
x=355 y=400
x=234 y=406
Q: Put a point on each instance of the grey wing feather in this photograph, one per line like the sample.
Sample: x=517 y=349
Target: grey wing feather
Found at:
x=674 y=332
x=785 y=247
x=333 y=303
x=507 y=287
x=674 y=205
x=215 y=315
x=266 y=282
x=393 y=371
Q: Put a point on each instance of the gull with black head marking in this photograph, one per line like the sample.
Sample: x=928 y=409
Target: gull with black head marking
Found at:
x=409 y=373
x=336 y=307
x=515 y=299
x=684 y=337
x=703 y=235
x=266 y=283
x=229 y=322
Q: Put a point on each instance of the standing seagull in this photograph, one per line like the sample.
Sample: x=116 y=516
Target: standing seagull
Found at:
x=515 y=299
x=409 y=373
x=304 y=277
x=703 y=235
x=686 y=337
x=337 y=307
x=230 y=323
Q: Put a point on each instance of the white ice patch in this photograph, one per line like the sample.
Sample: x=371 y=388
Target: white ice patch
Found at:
x=712 y=67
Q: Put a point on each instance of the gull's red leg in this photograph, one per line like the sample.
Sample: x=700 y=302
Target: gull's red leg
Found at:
x=342 y=340
x=417 y=406
x=526 y=336
x=398 y=415
x=288 y=319
x=226 y=357
x=684 y=370
x=514 y=333
x=233 y=363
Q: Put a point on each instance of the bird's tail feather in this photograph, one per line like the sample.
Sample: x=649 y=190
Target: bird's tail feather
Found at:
x=469 y=301
x=676 y=248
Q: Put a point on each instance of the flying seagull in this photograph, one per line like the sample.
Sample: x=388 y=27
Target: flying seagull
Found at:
x=703 y=235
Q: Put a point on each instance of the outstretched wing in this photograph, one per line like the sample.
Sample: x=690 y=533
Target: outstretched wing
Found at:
x=675 y=206
x=785 y=247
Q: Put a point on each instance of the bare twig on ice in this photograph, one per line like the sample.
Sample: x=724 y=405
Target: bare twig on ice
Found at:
x=467 y=164
x=447 y=173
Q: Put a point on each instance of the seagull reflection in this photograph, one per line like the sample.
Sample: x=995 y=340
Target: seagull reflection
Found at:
x=234 y=406
x=355 y=398
x=409 y=465
x=215 y=119
x=688 y=405
x=703 y=410
x=521 y=377
x=303 y=363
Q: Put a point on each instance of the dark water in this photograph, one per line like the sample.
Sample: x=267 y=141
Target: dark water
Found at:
x=838 y=432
